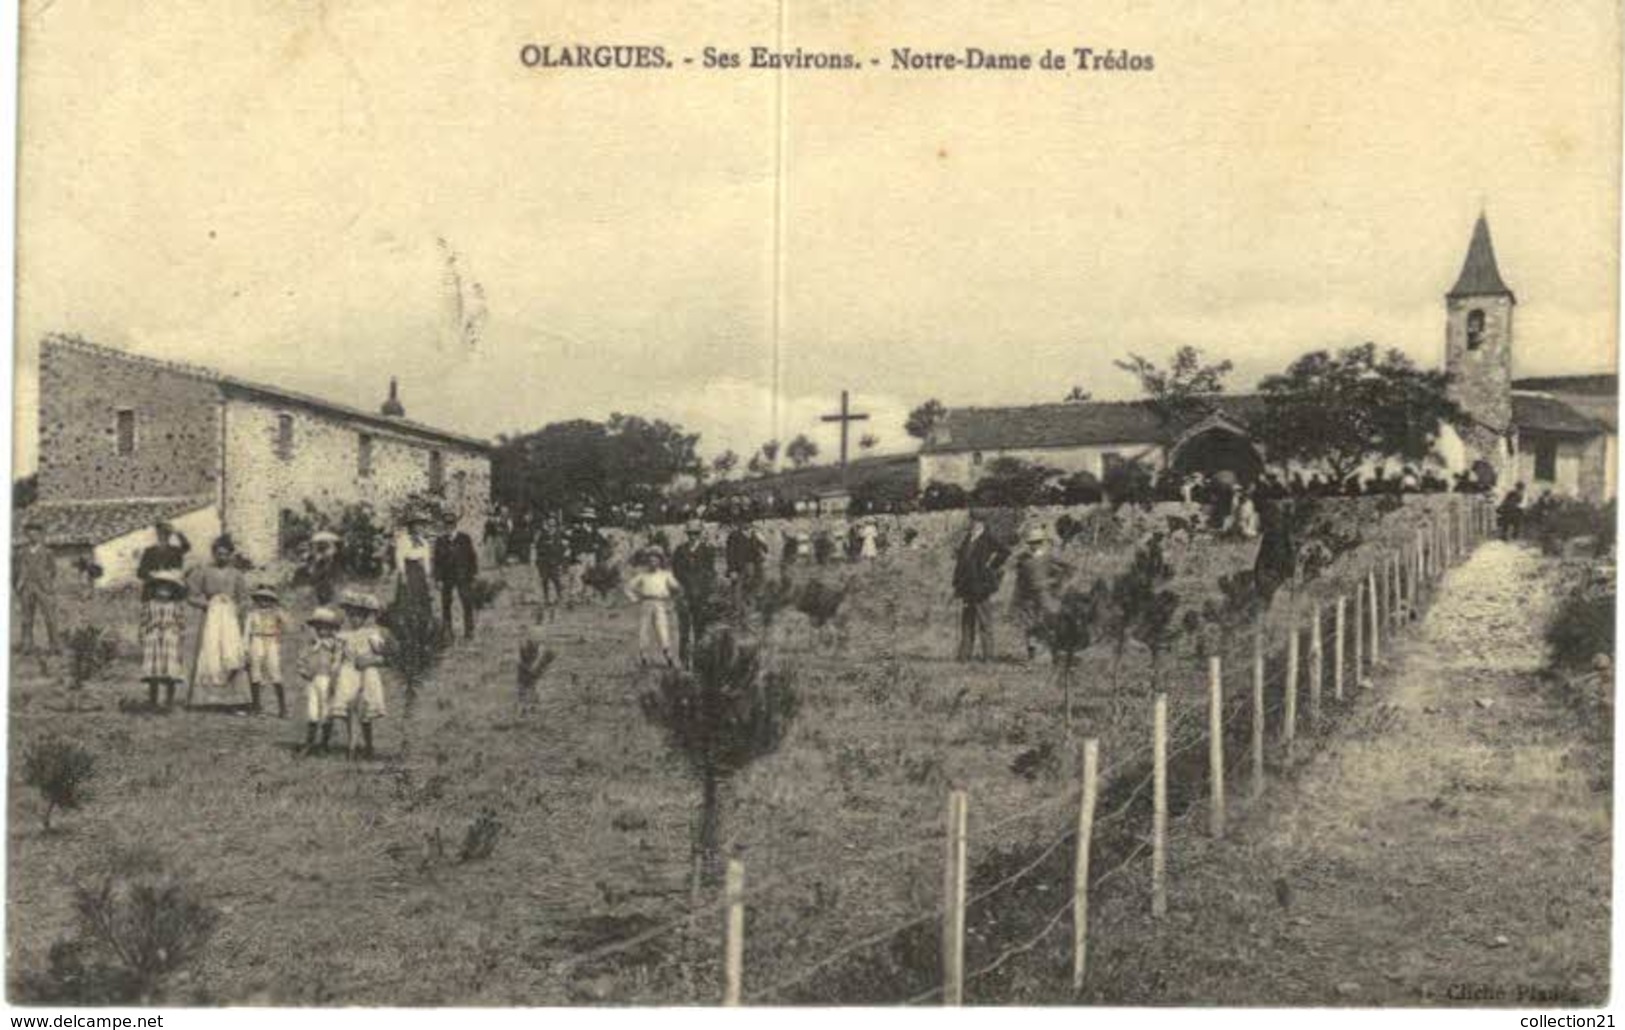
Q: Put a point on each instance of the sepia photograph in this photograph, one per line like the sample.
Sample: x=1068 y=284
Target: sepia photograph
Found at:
x=801 y=503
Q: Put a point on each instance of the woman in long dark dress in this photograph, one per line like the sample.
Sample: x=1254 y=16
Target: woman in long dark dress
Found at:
x=413 y=616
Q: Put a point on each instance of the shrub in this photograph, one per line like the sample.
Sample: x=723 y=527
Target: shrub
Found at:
x=1554 y=521
x=1582 y=627
x=363 y=539
x=726 y=713
x=943 y=497
x=480 y=839
x=61 y=771
x=1068 y=631
x=1013 y=483
x=138 y=925
x=486 y=590
x=91 y=650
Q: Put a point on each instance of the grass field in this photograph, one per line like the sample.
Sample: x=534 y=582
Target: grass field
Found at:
x=340 y=883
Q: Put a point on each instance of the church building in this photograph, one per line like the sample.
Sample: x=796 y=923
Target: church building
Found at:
x=1556 y=434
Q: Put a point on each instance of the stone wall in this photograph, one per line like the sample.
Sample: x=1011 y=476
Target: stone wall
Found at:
x=962 y=469
x=322 y=464
x=177 y=426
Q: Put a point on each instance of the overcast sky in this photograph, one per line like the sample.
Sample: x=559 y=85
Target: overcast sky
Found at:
x=260 y=186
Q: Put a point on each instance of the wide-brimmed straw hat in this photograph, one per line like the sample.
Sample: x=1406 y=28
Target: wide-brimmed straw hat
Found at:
x=265 y=590
x=325 y=617
x=324 y=536
x=1035 y=535
x=172 y=577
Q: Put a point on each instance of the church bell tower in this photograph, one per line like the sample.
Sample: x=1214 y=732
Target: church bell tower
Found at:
x=1478 y=350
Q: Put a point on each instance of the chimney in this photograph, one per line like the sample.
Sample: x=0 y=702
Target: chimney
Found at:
x=392 y=407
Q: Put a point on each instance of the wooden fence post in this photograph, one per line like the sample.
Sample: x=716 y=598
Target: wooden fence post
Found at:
x=1317 y=667
x=953 y=915
x=1289 y=706
x=1080 y=868
x=1359 y=631
x=1258 y=710
x=1159 y=806
x=1376 y=618
x=733 y=951
x=1337 y=647
x=1215 y=745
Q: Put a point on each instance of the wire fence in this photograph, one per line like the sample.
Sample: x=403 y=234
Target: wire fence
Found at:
x=1388 y=588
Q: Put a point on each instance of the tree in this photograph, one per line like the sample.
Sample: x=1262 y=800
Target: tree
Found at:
x=1338 y=411
x=1014 y=483
x=724 y=464
x=801 y=451
x=1068 y=631
x=770 y=453
x=756 y=466
x=1078 y=395
x=925 y=418
x=1181 y=390
x=868 y=442
x=61 y=771
x=720 y=717
x=1144 y=606
x=625 y=462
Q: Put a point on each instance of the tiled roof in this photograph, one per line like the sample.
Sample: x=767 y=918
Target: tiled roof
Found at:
x=266 y=391
x=1549 y=415
x=1480 y=276
x=1074 y=424
x=89 y=523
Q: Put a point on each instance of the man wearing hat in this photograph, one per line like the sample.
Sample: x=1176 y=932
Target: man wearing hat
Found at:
x=322 y=566
x=33 y=580
x=694 y=564
x=456 y=565
x=978 y=569
x=1038 y=575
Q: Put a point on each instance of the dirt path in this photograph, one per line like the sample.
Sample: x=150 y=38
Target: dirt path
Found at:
x=1450 y=845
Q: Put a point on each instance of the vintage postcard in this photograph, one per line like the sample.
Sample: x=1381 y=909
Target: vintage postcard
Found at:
x=808 y=503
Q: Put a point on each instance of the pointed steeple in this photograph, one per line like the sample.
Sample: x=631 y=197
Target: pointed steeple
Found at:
x=1480 y=277
x=393 y=407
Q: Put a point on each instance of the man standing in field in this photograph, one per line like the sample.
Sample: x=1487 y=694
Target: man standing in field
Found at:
x=456 y=565
x=694 y=564
x=978 y=569
x=1038 y=579
x=33 y=580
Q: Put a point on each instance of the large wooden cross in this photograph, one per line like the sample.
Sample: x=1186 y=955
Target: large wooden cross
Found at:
x=846 y=417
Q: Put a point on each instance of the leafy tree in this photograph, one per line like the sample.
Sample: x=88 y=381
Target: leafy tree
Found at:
x=924 y=418
x=724 y=464
x=1180 y=391
x=756 y=466
x=61 y=771
x=1081 y=487
x=1078 y=395
x=801 y=451
x=625 y=462
x=1014 y=483
x=1068 y=631
x=1338 y=411
x=770 y=453
x=868 y=442
x=1145 y=605
x=720 y=717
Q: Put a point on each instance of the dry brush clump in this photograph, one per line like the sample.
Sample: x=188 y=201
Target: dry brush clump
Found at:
x=61 y=772
x=139 y=924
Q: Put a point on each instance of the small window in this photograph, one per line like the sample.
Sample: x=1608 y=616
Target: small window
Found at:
x=1546 y=461
x=363 y=463
x=1475 y=329
x=126 y=432
x=284 y=436
x=976 y=457
x=437 y=472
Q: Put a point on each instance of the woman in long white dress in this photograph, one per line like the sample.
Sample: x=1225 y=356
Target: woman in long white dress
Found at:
x=220 y=589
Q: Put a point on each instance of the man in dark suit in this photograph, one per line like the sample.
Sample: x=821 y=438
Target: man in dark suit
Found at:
x=456 y=564
x=978 y=569
x=694 y=563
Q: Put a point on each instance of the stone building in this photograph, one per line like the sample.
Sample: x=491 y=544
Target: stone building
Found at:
x=1557 y=434
x=126 y=439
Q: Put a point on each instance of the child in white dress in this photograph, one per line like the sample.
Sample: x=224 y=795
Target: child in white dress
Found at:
x=358 y=690
x=263 y=627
